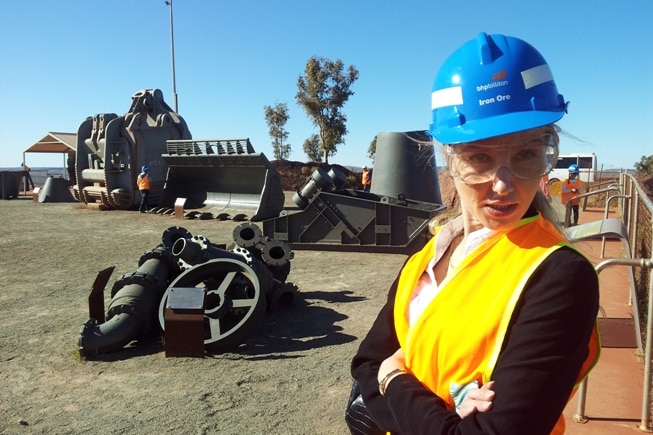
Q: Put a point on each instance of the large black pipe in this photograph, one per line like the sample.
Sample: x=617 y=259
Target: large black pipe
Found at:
x=133 y=307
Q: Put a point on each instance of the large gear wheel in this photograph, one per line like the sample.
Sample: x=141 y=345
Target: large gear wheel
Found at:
x=234 y=304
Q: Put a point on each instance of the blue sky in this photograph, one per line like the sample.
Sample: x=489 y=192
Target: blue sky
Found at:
x=62 y=61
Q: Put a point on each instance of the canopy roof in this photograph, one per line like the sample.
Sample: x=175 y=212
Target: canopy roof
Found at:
x=55 y=143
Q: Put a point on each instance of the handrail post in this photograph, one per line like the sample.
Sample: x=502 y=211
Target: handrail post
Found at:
x=580 y=416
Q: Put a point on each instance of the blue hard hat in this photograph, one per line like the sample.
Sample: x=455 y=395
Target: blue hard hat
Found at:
x=145 y=168
x=573 y=168
x=491 y=86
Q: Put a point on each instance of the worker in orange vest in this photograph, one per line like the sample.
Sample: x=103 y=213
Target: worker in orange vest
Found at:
x=571 y=189
x=143 y=182
x=367 y=179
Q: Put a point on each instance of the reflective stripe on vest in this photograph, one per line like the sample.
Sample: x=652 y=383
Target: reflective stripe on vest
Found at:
x=458 y=337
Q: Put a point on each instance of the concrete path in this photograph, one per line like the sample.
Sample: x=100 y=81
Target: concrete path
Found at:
x=614 y=399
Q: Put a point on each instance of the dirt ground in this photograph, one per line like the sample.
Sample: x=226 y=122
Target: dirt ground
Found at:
x=291 y=376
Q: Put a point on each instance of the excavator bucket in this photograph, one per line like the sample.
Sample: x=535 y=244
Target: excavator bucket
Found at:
x=223 y=174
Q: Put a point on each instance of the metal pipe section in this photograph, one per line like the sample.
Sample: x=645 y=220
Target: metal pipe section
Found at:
x=277 y=255
x=247 y=235
x=132 y=310
x=318 y=180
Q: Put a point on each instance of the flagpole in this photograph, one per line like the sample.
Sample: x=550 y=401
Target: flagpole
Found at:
x=172 y=50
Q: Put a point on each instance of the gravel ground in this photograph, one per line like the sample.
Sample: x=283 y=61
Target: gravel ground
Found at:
x=291 y=376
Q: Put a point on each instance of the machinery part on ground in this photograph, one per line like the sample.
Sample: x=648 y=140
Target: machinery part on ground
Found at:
x=111 y=150
x=247 y=235
x=96 y=298
x=405 y=164
x=268 y=260
x=222 y=174
x=55 y=190
x=172 y=234
x=282 y=296
x=276 y=255
x=317 y=181
x=195 y=250
x=234 y=304
x=10 y=183
x=239 y=285
x=132 y=310
x=192 y=251
x=352 y=220
x=392 y=218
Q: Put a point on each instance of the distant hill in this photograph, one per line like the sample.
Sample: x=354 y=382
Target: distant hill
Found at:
x=39 y=175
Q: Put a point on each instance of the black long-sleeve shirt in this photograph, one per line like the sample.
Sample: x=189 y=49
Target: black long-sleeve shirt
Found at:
x=545 y=347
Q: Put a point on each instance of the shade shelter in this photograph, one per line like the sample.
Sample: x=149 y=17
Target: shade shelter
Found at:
x=55 y=142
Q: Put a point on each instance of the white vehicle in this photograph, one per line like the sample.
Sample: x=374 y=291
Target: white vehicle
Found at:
x=586 y=163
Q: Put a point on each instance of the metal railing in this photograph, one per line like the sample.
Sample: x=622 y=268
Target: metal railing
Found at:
x=636 y=211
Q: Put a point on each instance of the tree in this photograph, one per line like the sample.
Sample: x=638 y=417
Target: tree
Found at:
x=645 y=165
x=276 y=117
x=322 y=91
x=371 y=151
x=312 y=148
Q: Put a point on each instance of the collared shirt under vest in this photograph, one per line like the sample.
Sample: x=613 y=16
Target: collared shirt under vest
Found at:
x=456 y=341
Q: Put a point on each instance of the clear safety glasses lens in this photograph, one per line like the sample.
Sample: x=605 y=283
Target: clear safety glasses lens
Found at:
x=475 y=163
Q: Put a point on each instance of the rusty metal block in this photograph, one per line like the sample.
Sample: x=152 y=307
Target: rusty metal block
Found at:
x=184 y=322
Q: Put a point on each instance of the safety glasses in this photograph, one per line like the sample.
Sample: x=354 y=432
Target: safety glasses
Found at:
x=478 y=162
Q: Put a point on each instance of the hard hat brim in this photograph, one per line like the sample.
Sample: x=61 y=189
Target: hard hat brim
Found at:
x=496 y=126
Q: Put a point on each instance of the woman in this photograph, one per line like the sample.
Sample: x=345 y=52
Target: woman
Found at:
x=489 y=328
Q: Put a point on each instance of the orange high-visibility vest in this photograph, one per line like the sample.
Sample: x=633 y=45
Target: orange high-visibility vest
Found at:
x=566 y=196
x=143 y=181
x=366 y=177
x=480 y=296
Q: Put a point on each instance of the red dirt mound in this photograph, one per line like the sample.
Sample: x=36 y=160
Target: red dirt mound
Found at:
x=295 y=174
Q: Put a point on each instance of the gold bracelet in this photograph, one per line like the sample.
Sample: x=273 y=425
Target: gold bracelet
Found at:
x=384 y=382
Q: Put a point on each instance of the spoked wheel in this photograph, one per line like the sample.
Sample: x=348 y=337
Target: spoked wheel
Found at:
x=233 y=303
